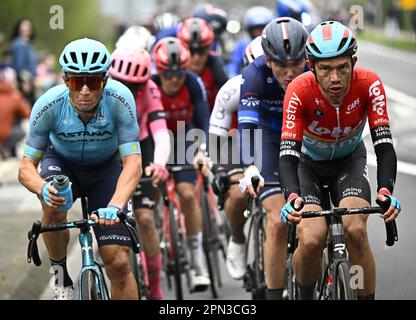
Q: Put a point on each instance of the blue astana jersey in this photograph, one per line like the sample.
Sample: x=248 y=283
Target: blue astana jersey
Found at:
x=113 y=128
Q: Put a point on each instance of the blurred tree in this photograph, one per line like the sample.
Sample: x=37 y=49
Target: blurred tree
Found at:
x=81 y=19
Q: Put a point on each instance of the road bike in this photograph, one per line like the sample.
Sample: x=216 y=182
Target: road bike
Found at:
x=335 y=282
x=91 y=281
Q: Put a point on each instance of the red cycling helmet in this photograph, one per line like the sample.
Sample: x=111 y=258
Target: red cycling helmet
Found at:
x=196 y=32
x=130 y=65
x=171 y=53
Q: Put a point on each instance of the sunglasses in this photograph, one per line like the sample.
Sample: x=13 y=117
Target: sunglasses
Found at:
x=199 y=51
x=93 y=83
x=170 y=73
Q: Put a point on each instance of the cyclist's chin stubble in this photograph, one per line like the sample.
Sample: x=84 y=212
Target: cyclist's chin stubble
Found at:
x=85 y=102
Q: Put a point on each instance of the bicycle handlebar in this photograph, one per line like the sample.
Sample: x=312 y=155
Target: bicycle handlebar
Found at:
x=255 y=180
x=37 y=229
x=391 y=227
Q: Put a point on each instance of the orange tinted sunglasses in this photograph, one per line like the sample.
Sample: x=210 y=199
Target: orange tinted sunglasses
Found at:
x=93 y=83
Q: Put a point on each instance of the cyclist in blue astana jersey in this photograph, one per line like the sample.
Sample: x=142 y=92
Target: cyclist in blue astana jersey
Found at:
x=261 y=107
x=81 y=129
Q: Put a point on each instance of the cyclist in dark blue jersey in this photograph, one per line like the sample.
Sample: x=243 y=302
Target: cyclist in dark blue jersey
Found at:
x=262 y=91
x=81 y=129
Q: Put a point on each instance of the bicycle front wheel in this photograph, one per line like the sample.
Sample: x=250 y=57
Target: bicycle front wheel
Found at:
x=342 y=285
x=91 y=288
x=259 y=286
x=174 y=254
x=138 y=272
x=211 y=253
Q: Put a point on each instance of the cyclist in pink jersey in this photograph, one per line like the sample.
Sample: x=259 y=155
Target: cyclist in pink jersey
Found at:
x=132 y=67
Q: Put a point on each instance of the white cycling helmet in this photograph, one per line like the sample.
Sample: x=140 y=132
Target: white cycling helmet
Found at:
x=136 y=37
x=253 y=51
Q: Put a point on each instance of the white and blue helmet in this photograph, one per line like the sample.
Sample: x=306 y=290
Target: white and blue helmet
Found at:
x=85 y=56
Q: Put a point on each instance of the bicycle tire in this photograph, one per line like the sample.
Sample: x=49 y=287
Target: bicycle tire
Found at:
x=342 y=282
x=137 y=270
x=220 y=236
x=206 y=243
x=174 y=256
x=259 y=285
x=90 y=289
x=323 y=284
x=292 y=289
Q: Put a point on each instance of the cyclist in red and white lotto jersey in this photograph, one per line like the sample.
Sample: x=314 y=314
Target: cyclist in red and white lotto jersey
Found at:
x=326 y=110
x=132 y=67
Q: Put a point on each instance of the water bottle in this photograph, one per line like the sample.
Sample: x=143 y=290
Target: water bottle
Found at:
x=61 y=183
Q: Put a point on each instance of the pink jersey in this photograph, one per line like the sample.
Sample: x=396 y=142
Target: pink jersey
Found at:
x=151 y=118
x=149 y=110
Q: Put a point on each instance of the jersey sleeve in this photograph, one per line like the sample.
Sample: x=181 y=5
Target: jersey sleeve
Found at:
x=292 y=127
x=124 y=111
x=226 y=103
x=251 y=92
x=380 y=133
x=291 y=140
x=156 y=113
x=378 y=118
x=200 y=102
x=40 y=125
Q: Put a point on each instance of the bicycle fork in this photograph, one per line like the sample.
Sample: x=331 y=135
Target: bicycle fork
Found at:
x=89 y=263
x=337 y=254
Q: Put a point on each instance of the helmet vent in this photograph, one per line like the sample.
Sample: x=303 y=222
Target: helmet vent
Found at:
x=342 y=43
x=145 y=71
x=286 y=45
x=315 y=48
x=104 y=59
x=84 y=56
x=272 y=49
x=120 y=66
x=74 y=57
x=136 y=70
x=95 y=57
x=128 y=68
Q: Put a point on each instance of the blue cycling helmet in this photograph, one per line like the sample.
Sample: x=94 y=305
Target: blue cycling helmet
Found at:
x=257 y=16
x=291 y=8
x=85 y=55
x=330 y=39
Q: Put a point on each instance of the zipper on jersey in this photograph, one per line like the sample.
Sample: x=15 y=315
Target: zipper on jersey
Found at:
x=337 y=137
x=83 y=138
x=83 y=142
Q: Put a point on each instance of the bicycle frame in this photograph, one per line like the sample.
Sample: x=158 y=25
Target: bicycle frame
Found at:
x=170 y=196
x=90 y=264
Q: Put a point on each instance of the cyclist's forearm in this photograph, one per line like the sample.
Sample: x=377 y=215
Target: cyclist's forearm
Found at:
x=386 y=166
x=288 y=175
x=128 y=180
x=29 y=176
